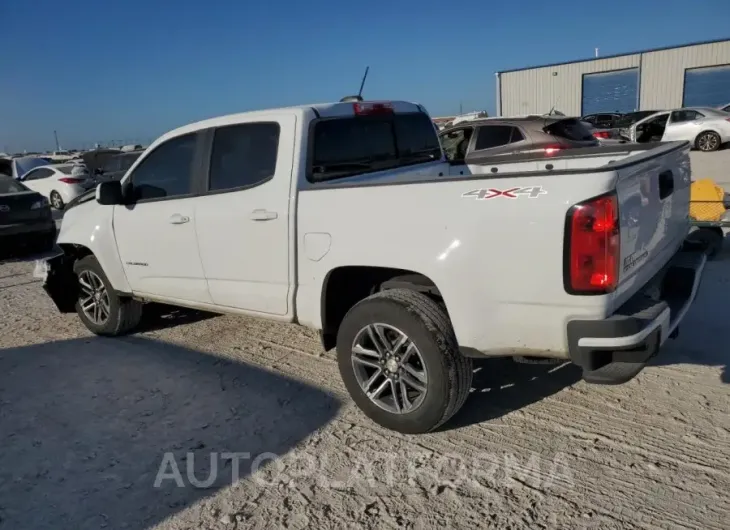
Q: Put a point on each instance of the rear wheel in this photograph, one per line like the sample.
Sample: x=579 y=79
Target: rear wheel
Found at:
x=400 y=361
x=711 y=239
x=101 y=309
x=56 y=200
x=708 y=141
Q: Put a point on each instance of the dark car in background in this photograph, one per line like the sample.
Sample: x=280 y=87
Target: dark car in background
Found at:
x=501 y=136
x=114 y=167
x=25 y=218
x=622 y=126
x=603 y=120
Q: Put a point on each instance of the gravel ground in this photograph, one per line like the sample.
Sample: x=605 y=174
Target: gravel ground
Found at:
x=149 y=431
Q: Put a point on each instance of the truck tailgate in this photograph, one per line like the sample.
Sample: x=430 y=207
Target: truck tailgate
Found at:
x=653 y=198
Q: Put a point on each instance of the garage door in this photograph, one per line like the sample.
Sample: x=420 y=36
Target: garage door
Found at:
x=707 y=87
x=615 y=91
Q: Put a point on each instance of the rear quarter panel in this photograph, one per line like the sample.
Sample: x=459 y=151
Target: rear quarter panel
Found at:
x=496 y=258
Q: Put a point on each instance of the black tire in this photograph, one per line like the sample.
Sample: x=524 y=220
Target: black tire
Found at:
x=708 y=141
x=56 y=200
x=427 y=325
x=711 y=239
x=124 y=313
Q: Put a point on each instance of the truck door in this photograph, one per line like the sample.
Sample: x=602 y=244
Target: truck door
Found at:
x=243 y=216
x=156 y=233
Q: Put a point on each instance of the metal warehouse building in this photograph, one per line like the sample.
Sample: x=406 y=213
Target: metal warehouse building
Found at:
x=690 y=75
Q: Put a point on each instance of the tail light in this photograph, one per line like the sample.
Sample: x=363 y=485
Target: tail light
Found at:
x=70 y=180
x=601 y=134
x=592 y=246
x=365 y=109
x=552 y=149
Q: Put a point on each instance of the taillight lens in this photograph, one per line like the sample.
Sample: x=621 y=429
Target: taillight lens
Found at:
x=552 y=149
x=601 y=134
x=70 y=180
x=593 y=246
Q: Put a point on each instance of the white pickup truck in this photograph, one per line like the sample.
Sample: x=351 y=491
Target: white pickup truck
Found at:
x=347 y=218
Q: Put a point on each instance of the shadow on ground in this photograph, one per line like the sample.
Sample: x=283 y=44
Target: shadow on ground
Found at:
x=162 y=316
x=502 y=385
x=86 y=424
x=704 y=334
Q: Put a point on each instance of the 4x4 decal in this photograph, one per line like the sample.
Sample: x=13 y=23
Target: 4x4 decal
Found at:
x=532 y=192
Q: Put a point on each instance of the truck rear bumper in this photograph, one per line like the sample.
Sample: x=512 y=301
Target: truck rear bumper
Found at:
x=616 y=349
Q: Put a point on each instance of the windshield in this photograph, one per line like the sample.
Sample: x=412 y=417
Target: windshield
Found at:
x=26 y=164
x=348 y=146
x=715 y=113
x=9 y=185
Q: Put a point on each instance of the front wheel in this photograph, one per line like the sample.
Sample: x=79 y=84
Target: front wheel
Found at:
x=99 y=307
x=708 y=141
x=400 y=361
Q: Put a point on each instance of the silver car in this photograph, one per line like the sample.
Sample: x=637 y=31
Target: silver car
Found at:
x=704 y=127
x=488 y=137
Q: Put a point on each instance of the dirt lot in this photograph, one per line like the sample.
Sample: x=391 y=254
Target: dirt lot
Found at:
x=125 y=433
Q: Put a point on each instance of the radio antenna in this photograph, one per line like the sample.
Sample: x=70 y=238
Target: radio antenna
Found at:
x=364 y=77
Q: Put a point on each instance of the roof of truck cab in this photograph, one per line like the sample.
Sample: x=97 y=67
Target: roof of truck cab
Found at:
x=315 y=110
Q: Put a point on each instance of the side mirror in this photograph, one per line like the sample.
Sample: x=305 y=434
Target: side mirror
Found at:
x=110 y=193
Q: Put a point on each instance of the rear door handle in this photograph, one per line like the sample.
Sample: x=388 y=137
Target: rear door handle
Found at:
x=178 y=219
x=666 y=184
x=263 y=215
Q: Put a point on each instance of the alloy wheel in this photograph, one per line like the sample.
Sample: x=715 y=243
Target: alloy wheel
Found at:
x=389 y=368
x=93 y=297
x=708 y=142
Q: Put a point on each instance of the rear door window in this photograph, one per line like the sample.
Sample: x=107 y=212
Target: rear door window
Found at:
x=243 y=155
x=38 y=174
x=344 y=147
x=493 y=136
x=571 y=129
x=679 y=116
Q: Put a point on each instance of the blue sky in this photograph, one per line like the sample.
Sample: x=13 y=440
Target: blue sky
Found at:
x=132 y=69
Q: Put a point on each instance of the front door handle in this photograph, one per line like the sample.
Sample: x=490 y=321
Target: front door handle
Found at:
x=263 y=215
x=178 y=219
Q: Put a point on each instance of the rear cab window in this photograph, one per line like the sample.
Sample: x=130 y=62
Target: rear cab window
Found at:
x=570 y=129
x=355 y=144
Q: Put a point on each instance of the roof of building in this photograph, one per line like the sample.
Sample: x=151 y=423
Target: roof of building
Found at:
x=588 y=59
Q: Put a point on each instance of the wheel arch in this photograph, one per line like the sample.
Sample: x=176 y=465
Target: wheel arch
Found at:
x=703 y=131
x=345 y=286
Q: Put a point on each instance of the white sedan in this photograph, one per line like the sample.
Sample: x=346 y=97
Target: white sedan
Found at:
x=705 y=128
x=60 y=183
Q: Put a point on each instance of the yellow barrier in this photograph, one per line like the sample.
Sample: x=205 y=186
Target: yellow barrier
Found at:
x=706 y=200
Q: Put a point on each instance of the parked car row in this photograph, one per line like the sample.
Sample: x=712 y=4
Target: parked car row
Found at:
x=706 y=128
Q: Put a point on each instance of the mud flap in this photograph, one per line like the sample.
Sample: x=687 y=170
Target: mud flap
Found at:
x=60 y=282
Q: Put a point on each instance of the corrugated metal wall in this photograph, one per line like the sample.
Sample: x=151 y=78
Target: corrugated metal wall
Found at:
x=662 y=77
x=537 y=90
